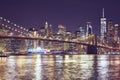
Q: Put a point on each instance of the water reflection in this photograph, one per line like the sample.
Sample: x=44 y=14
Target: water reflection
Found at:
x=38 y=68
x=114 y=67
x=102 y=67
x=11 y=68
x=3 y=68
x=60 y=67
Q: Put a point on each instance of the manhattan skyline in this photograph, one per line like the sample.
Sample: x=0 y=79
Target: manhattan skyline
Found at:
x=70 y=13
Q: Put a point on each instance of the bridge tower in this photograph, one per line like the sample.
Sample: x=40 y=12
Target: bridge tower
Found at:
x=92 y=49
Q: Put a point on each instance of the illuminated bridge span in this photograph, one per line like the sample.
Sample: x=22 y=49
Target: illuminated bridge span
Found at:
x=9 y=30
x=55 y=40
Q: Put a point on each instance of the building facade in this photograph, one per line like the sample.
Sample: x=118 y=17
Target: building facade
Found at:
x=103 y=26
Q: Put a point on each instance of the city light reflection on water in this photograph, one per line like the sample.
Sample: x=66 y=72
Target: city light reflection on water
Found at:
x=60 y=67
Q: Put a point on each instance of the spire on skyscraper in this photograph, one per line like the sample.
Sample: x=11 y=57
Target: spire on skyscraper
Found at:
x=103 y=25
x=46 y=22
x=103 y=14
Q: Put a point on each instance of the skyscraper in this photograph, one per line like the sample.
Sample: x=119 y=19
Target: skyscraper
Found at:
x=61 y=30
x=116 y=31
x=50 y=31
x=110 y=33
x=103 y=25
x=89 y=29
x=46 y=29
x=82 y=32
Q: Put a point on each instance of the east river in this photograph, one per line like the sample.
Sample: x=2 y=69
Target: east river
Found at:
x=60 y=67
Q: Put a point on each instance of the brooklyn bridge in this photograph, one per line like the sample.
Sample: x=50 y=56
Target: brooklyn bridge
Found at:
x=15 y=38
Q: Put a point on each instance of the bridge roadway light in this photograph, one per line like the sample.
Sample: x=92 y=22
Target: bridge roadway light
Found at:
x=66 y=39
x=11 y=34
x=51 y=38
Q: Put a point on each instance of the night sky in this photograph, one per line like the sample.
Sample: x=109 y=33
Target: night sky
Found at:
x=71 y=13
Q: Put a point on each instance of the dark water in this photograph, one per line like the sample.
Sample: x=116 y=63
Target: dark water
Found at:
x=57 y=67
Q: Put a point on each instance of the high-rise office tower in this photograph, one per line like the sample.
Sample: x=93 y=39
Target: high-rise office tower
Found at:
x=50 y=31
x=116 y=30
x=103 y=25
x=46 y=25
x=110 y=33
x=61 y=29
x=89 y=29
x=82 y=32
x=46 y=29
